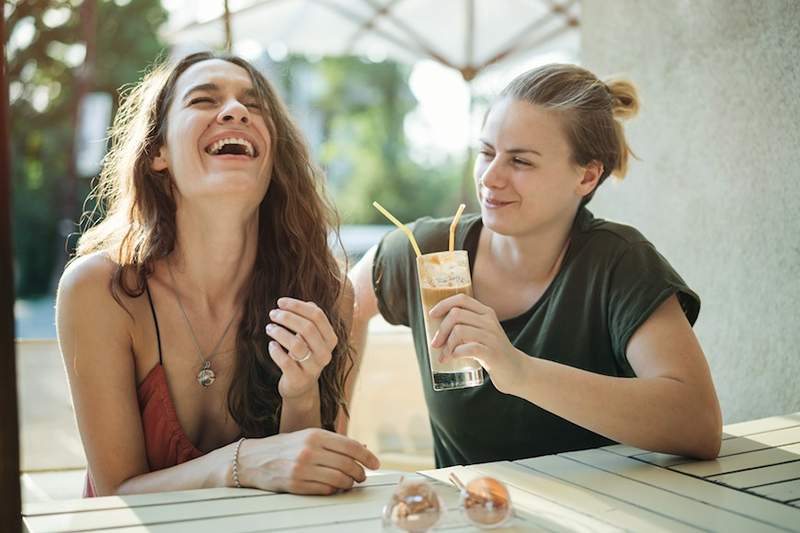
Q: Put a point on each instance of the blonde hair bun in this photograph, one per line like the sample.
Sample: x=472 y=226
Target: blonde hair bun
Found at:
x=625 y=99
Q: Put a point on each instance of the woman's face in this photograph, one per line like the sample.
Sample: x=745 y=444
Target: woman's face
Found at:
x=525 y=176
x=217 y=140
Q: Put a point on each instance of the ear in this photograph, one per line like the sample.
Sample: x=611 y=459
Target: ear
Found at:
x=590 y=177
x=159 y=162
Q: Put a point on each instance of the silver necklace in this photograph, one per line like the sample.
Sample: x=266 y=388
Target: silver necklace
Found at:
x=206 y=375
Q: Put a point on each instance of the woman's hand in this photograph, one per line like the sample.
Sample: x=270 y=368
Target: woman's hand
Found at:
x=311 y=461
x=471 y=329
x=303 y=344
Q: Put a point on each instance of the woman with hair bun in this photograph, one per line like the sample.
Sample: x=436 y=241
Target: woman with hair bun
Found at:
x=583 y=328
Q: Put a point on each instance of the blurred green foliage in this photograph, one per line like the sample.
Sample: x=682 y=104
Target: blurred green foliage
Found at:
x=365 y=149
x=43 y=79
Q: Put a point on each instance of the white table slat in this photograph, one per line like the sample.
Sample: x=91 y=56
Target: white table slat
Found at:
x=759 y=476
x=620 y=514
x=442 y=474
x=742 y=461
x=624 y=450
x=742 y=429
x=195 y=510
x=786 y=491
x=664 y=460
x=352 y=517
x=732 y=446
x=757 y=441
x=673 y=506
x=553 y=516
x=774 y=513
x=362 y=526
x=136 y=500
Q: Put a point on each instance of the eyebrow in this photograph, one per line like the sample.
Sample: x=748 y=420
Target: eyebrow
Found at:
x=214 y=88
x=515 y=150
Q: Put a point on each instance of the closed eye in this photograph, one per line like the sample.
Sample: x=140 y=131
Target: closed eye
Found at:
x=201 y=100
x=522 y=162
x=487 y=154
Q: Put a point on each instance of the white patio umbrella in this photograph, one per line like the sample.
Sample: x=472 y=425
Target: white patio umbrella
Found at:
x=466 y=35
x=469 y=36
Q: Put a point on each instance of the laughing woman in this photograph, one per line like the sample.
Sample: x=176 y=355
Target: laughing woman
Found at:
x=583 y=327
x=204 y=322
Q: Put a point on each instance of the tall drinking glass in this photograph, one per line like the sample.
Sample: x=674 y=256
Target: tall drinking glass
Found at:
x=442 y=275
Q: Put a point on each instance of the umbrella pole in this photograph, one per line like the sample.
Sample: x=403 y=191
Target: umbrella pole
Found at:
x=228 y=32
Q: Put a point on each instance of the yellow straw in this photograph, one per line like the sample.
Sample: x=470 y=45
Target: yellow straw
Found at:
x=400 y=225
x=453 y=226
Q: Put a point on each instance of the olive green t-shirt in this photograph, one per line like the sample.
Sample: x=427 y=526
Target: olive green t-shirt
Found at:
x=611 y=280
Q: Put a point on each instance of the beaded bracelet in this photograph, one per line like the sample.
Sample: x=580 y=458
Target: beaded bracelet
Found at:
x=236 y=464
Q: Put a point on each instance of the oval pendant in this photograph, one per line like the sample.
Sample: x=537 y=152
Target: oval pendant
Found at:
x=206 y=376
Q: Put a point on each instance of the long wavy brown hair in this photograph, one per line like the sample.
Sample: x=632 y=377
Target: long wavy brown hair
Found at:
x=137 y=207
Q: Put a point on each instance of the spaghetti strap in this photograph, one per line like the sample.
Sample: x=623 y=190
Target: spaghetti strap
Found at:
x=155 y=321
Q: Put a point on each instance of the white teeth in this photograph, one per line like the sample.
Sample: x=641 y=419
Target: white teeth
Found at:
x=214 y=148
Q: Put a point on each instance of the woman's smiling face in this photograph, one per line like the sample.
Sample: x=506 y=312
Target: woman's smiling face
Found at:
x=217 y=141
x=525 y=175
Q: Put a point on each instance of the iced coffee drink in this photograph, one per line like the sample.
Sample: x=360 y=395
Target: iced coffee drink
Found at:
x=442 y=275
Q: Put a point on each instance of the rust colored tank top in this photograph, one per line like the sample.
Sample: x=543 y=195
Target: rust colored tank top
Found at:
x=165 y=441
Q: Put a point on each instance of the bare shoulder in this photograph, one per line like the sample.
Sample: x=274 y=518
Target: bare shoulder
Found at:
x=86 y=273
x=85 y=299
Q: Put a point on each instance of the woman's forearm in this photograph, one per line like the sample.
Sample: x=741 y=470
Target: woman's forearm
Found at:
x=213 y=469
x=301 y=413
x=659 y=413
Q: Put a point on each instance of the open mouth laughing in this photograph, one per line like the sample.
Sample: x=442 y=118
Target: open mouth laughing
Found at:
x=232 y=145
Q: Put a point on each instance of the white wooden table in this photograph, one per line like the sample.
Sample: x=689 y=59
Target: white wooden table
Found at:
x=753 y=486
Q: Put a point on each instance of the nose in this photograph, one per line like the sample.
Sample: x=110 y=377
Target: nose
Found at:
x=492 y=176
x=233 y=111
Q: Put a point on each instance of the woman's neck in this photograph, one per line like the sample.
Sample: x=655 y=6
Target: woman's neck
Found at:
x=534 y=258
x=214 y=257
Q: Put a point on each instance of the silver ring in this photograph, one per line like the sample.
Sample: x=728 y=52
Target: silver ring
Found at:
x=304 y=358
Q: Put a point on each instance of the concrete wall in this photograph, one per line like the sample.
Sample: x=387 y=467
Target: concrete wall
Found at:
x=718 y=185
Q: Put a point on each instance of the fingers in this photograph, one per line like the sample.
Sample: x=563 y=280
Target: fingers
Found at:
x=321 y=474
x=313 y=313
x=309 y=487
x=290 y=368
x=456 y=316
x=460 y=334
x=298 y=347
x=345 y=446
x=459 y=300
x=330 y=460
x=342 y=463
x=475 y=350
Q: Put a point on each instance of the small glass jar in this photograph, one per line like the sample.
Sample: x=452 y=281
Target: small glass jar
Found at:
x=414 y=507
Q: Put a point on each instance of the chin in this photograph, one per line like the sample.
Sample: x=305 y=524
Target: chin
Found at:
x=502 y=225
x=235 y=183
